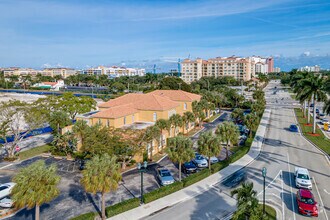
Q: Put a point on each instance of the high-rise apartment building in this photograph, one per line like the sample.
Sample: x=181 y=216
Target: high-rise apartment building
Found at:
x=237 y=67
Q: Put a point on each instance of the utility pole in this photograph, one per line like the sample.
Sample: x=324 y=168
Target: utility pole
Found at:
x=264 y=172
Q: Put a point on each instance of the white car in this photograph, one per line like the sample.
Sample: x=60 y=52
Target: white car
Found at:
x=302 y=178
x=6 y=202
x=5 y=189
x=213 y=159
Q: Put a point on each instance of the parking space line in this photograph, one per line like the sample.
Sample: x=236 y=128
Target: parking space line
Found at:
x=283 y=212
x=317 y=190
x=292 y=200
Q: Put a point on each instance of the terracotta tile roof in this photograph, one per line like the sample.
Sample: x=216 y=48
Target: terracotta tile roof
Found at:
x=155 y=102
x=50 y=83
x=177 y=95
x=122 y=100
x=116 y=112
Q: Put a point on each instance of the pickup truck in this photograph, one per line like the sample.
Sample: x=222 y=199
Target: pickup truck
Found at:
x=302 y=178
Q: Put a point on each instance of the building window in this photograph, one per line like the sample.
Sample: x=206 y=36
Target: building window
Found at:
x=125 y=120
x=99 y=121
x=155 y=116
x=185 y=106
x=108 y=123
x=132 y=118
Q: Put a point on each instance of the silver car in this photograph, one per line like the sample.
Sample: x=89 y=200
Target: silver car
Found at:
x=5 y=189
x=200 y=161
x=165 y=177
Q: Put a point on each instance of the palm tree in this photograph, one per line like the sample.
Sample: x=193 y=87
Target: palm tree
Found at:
x=313 y=87
x=251 y=121
x=179 y=150
x=152 y=133
x=196 y=109
x=294 y=83
x=237 y=113
x=35 y=185
x=228 y=132
x=79 y=128
x=59 y=120
x=247 y=202
x=102 y=174
x=176 y=121
x=187 y=118
x=163 y=124
x=326 y=107
x=209 y=145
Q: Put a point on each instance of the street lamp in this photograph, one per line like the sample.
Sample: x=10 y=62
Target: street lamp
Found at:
x=142 y=168
x=264 y=172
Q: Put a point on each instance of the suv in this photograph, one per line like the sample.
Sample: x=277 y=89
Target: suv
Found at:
x=302 y=178
x=164 y=176
x=306 y=203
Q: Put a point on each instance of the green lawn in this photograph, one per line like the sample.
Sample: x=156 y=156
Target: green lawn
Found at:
x=271 y=213
x=212 y=118
x=34 y=152
x=321 y=141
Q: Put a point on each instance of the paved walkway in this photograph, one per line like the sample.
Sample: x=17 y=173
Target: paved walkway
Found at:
x=203 y=185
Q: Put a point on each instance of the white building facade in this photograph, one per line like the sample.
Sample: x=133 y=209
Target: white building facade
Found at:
x=113 y=72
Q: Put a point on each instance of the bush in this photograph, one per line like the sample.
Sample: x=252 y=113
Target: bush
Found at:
x=196 y=177
x=162 y=191
x=122 y=207
x=219 y=166
x=86 y=216
x=34 y=152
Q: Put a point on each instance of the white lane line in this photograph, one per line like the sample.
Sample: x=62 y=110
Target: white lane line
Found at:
x=6 y=166
x=295 y=119
x=326 y=192
x=283 y=212
x=271 y=182
x=317 y=190
x=292 y=200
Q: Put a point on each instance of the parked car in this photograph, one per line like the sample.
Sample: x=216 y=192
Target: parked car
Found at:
x=189 y=167
x=302 y=178
x=164 y=176
x=5 y=189
x=317 y=111
x=199 y=161
x=306 y=203
x=311 y=105
x=320 y=116
x=6 y=202
x=235 y=179
x=213 y=159
x=293 y=128
x=324 y=120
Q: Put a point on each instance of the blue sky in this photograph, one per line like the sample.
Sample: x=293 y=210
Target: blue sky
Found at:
x=37 y=33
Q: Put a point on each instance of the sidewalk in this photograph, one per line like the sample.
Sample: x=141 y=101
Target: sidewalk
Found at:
x=203 y=185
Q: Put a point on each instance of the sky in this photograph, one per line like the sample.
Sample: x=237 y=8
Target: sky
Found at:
x=84 y=33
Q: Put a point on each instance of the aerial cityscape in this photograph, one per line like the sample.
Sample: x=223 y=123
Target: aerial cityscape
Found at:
x=131 y=110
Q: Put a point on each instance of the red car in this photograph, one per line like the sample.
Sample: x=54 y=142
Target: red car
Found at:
x=306 y=203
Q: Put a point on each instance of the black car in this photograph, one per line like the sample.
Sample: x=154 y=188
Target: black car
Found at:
x=235 y=179
x=189 y=167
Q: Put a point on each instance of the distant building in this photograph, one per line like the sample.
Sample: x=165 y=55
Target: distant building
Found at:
x=16 y=71
x=237 y=67
x=63 y=72
x=50 y=85
x=315 y=68
x=114 y=71
x=277 y=70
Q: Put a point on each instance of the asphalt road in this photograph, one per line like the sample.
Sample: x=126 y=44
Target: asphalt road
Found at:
x=282 y=151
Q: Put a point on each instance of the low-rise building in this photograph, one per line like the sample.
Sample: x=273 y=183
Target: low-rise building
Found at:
x=55 y=86
x=315 y=68
x=20 y=72
x=114 y=71
x=139 y=111
x=63 y=72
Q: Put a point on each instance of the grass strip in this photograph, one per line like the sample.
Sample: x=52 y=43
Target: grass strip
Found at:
x=23 y=155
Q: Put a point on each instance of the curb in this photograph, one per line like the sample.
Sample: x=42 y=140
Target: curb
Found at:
x=205 y=184
x=327 y=157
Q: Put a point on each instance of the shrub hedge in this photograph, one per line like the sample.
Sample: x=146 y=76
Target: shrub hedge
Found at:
x=122 y=207
x=193 y=178
x=162 y=191
x=86 y=216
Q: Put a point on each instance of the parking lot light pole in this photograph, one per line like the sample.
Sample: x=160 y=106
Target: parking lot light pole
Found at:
x=264 y=172
x=142 y=168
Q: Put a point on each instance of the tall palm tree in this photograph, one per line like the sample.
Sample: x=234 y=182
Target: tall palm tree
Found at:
x=247 y=202
x=79 y=128
x=187 y=118
x=59 y=120
x=209 y=145
x=228 y=132
x=196 y=109
x=237 y=113
x=294 y=83
x=163 y=124
x=179 y=150
x=176 y=121
x=313 y=87
x=251 y=121
x=152 y=133
x=102 y=175
x=35 y=185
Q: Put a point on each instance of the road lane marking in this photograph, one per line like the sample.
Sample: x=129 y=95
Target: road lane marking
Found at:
x=292 y=200
x=326 y=192
x=317 y=190
x=283 y=211
x=270 y=182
